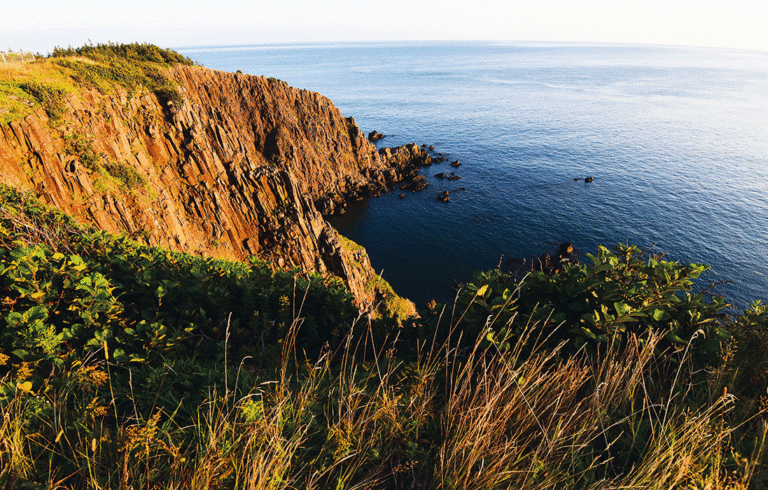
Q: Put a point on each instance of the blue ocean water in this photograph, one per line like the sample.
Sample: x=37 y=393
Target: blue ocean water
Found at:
x=675 y=138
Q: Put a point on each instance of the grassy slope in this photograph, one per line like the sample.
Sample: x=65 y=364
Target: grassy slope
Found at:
x=45 y=82
x=124 y=365
x=15 y=102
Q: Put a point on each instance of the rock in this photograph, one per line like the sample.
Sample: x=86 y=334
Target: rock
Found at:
x=588 y=179
x=402 y=195
x=456 y=164
x=439 y=159
x=454 y=177
x=432 y=147
x=373 y=136
x=418 y=183
x=253 y=164
x=441 y=175
x=406 y=158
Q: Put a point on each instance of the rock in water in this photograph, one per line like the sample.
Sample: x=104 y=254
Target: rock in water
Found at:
x=373 y=136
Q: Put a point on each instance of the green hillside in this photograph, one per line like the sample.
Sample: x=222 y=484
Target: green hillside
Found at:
x=124 y=366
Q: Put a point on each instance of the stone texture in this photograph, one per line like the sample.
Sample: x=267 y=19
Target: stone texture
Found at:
x=244 y=166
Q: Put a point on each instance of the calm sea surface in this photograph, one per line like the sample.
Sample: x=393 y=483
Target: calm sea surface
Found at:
x=675 y=138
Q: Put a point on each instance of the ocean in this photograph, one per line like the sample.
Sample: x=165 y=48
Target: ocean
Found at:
x=675 y=138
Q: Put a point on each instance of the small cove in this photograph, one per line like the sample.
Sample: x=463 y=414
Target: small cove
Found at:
x=676 y=139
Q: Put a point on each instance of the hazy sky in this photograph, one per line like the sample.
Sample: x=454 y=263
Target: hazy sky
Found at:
x=39 y=25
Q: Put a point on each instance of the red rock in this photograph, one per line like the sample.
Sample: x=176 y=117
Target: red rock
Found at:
x=235 y=170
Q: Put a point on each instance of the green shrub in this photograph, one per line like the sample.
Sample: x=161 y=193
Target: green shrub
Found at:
x=142 y=52
x=169 y=93
x=105 y=291
x=129 y=65
x=52 y=99
x=127 y=175
x=81 y=146
x=622 y=292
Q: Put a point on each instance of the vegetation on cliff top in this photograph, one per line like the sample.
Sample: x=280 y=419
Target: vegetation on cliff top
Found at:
x=46 y=81
x=129 y=366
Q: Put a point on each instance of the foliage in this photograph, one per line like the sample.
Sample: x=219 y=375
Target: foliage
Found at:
x=51 y=98
x=392 y=305
x=745 y=352
x=127 y=175
x=137 y=52
x=123 y=365
x=103 y=67
x=622 y=293
x=81 y=146
x=147 y=306
x=48 y=83
x=128 y=65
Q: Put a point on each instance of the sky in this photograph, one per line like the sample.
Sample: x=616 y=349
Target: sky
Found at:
x=40 y=25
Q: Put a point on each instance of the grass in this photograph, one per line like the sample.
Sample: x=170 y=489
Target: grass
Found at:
x=45 y=82
x=359 y=418
x=129 y=178
x=16 y=102
x=373 y=410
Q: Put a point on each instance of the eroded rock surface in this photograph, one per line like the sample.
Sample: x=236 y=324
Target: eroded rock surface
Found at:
x=245 y=166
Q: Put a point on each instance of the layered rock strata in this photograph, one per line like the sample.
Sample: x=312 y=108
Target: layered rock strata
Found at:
x=244 y=166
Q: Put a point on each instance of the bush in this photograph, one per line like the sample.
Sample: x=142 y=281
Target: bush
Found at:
x=129 y=65
x=81 y=146
x=51 y=98
x=623 y=292
x=127 y=175
x=141 y=52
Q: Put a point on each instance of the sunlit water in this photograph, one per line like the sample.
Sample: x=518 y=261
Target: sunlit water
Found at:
x=675 y=138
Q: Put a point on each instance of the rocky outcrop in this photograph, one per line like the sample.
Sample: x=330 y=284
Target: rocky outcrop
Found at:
x=375 y=136
x=245 y=166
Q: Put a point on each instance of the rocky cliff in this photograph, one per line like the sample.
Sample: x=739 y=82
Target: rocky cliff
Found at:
x=242 y=166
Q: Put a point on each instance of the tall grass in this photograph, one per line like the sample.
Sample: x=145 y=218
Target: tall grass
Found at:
x=359 y=418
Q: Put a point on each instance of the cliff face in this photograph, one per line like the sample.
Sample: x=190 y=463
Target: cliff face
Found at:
x=244 y=166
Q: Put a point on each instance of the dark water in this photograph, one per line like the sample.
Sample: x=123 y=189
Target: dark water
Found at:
x=675 y=138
